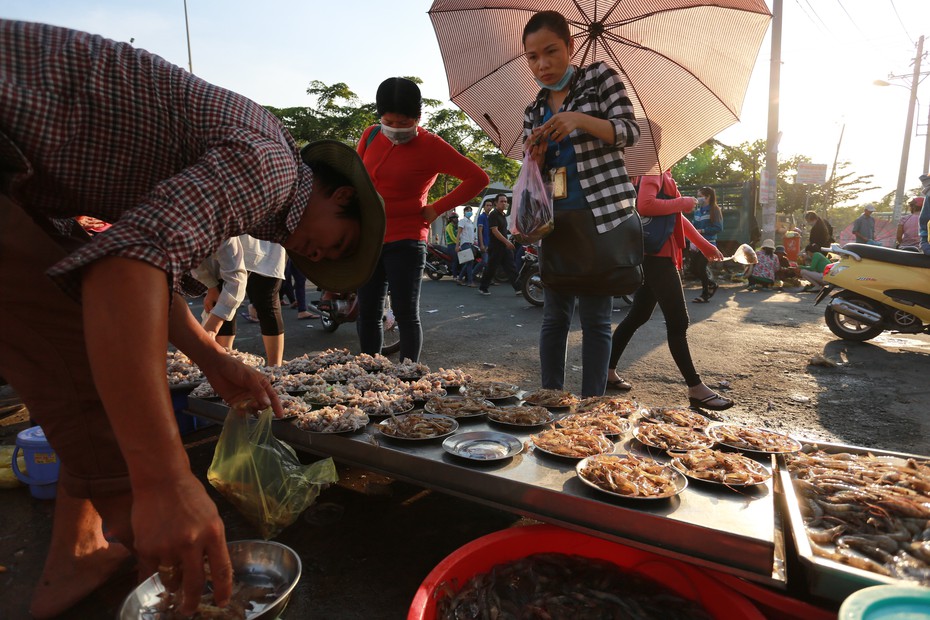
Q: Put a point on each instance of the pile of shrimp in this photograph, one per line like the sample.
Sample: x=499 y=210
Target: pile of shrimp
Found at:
x=630 y=475
x=865 y=511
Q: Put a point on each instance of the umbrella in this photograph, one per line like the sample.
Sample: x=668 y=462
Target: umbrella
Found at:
x=685 y=64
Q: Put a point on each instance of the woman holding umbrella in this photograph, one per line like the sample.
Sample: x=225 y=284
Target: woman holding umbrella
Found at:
x=576 y=130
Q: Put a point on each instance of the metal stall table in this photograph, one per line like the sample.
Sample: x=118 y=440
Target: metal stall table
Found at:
x=734 y=531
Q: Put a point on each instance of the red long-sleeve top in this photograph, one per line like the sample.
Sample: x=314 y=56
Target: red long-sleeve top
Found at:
x=649 y=204
x=403 y=174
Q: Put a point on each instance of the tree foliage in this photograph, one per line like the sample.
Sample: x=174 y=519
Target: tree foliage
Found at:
x=339 y=114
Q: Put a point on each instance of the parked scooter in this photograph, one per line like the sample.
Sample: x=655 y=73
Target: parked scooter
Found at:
x=438 y=261
x=874 y=289
x=529 y=276
x=338 y=308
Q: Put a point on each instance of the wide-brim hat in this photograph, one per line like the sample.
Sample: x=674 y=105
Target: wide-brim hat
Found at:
x=347 y=274
x=768 y=243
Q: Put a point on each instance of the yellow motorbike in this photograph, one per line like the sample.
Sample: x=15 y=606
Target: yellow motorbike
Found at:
x=873 y=289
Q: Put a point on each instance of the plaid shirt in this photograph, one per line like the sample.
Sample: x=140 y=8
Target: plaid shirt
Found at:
x=598 y=91
x=89 y=126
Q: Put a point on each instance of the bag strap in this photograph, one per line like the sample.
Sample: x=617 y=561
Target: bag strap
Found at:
x=375 y=130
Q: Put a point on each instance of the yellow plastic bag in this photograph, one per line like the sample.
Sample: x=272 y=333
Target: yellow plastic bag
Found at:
x=262 y=476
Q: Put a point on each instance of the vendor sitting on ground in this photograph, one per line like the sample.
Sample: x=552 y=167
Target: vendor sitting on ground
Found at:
x=817 y=263
x=762 y=274
x=787 y=268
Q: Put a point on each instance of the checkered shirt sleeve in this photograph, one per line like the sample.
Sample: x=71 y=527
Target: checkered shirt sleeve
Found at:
x=176 y=164
x=598 y=91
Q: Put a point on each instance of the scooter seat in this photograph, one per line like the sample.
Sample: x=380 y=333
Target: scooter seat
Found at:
x=889 y=255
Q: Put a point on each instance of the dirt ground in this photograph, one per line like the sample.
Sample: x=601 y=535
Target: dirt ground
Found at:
x=370 y=541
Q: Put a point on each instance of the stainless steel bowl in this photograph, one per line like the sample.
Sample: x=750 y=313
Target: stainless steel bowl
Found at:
x=256 y=562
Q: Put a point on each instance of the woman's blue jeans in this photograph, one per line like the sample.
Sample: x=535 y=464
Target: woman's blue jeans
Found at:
x=399 y=269
x=595 y=315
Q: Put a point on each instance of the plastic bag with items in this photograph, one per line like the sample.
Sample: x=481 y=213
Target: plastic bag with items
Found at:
x=531 y=218
x=261 y=476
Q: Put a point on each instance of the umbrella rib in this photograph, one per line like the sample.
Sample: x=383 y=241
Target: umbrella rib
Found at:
x=623 y=41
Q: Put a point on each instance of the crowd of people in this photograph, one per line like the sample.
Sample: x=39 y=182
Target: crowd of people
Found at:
x=236 y=209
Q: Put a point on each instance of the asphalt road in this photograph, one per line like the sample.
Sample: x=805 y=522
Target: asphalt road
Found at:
x=369 y=541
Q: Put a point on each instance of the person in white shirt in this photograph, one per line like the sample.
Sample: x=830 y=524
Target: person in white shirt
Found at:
x=225 y=276
x=467 y=239
x=265 y=262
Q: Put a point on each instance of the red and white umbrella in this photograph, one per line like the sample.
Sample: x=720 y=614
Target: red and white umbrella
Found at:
x=685 y=64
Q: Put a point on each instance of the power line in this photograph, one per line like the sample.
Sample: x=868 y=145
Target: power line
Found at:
x=851 y=18
x=900 y=21
x=827 y=28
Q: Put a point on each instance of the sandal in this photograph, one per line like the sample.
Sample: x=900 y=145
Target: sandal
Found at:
x=711 y=289
x=700 y=300
x=307 y=315
x=708 y=402
x=619 y=384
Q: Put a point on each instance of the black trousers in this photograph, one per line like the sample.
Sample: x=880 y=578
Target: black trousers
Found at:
x=499 y=255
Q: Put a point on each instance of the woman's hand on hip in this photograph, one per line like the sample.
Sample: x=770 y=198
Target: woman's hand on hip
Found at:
x=429 y=214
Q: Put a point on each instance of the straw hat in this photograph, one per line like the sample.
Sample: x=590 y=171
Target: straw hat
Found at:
x=768 y=243
x=348 y=273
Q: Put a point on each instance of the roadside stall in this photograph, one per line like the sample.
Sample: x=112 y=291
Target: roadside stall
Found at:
x=664 y=482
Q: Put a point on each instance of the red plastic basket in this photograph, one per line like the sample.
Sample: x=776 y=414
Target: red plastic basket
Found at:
x=482 y=554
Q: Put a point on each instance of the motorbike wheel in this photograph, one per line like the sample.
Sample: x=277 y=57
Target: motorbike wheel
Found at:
x=434 y=274
x=500 y=276
x=848 y=328
x=330 y=324
x=391 y=343
x=533 y=289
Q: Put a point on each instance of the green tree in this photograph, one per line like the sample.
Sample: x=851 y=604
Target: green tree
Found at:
x=339 y=114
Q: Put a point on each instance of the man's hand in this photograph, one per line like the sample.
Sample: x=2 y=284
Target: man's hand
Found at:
x=235 y=381
x=176 y=527
x=714 y=256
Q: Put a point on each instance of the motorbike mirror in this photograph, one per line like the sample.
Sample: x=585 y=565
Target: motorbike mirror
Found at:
x=744 y=255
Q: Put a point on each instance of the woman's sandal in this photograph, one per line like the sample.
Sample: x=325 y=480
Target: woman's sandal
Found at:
x=620 y=384
x=706 y=403
x=700 y=300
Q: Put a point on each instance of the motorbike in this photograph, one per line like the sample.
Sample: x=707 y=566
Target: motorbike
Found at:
x=439 y=264
x=532 y=285
x=873 y=289
x=530 y=282
x=338 y=308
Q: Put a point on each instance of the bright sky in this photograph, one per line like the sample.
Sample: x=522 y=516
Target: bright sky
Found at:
x=832 y=51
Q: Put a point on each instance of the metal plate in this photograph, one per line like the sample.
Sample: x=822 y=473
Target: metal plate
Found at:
x=359 y=422
x=453 y=428
x=533 y=399
x=606 y=445
x=757 y=467
x=639 y=434
x=672 y=415
x=476 y=390
x=577 y=421
x=388 y=415
x=626 y=406
x=492 y=418
x=679 y=481
x=714 y=433
x=256 y=562
x=429 y=408
x=483 y=445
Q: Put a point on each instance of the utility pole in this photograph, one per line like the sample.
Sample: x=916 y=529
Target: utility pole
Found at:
x=902 y=171
x=771 y=147
x=926 y=168
x=833 y=173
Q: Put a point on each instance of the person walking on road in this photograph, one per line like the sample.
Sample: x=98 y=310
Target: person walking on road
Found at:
x=708 y=221
x=500 y=250
x=466 y=241
x=659 y=196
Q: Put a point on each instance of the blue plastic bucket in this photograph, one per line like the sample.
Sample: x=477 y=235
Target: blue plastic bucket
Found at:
x=41 y=463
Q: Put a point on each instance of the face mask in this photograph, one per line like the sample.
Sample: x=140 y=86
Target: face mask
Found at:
x=467 y=214
x=569 y=72
x=701 y=200
x=399 y=135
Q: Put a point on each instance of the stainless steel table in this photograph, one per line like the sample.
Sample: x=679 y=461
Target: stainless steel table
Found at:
x=725 y=529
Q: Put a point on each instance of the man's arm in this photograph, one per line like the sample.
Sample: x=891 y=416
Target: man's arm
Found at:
x=173 y=519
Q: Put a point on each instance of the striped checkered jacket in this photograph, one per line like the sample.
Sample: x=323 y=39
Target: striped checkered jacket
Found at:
x=598 y=91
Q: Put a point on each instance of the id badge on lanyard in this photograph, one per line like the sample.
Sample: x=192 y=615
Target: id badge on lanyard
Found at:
x=558 y=178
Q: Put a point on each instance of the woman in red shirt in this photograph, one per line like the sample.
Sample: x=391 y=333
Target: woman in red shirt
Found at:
x=659 y=196
x=403 y=161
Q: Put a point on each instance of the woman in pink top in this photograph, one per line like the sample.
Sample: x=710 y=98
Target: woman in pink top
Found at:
x=403 y=161
x=658 y=196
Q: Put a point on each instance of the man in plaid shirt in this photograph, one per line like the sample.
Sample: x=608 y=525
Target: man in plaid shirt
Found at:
x=94 y=127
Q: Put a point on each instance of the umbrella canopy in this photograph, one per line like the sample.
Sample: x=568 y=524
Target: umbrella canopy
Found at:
x=685 y=64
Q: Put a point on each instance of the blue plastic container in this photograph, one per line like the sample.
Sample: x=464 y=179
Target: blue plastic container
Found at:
x=41 y=463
